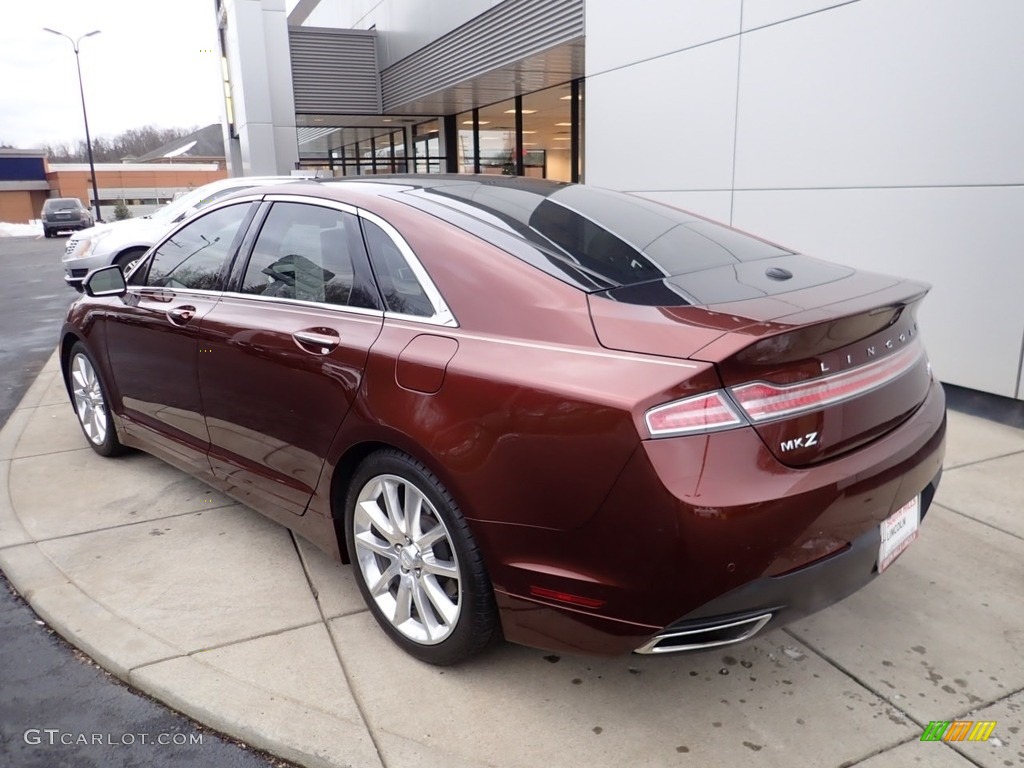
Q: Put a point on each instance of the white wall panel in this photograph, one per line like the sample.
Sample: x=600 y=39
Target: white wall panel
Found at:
x=341 y=14
x=713 y=205
x=619 y=34
x=964 y=241
x=758 y=13
x=286 y=150
x=279 y=69
x=261 y=84
x=247 y=64
x=258 y=150
x=885 y=92
x=405 y=25
x=665 y=123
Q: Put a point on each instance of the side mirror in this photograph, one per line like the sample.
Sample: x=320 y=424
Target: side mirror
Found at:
x=105 y=281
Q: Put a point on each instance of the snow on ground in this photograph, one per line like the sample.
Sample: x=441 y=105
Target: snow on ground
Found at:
x=20 y=230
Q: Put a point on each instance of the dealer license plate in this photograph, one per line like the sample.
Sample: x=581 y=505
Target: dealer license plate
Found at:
x=898 y=531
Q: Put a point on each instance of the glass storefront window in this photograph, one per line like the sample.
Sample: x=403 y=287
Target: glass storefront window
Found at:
x=427 y=156
x=466 y=143
x=547 y=133
x=550 y=144
x=355 y=151
x=498 y=138
x=546 y=141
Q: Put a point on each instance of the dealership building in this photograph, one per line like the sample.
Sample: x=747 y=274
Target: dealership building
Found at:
x=883 y=134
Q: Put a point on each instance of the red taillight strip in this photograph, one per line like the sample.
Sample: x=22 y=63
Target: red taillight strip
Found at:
x=763 y=401
x=708 y=412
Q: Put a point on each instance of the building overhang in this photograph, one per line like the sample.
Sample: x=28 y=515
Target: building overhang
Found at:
x=515 y=47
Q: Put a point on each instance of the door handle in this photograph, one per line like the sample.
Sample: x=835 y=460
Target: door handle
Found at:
x=323 y=342
x=181 y=315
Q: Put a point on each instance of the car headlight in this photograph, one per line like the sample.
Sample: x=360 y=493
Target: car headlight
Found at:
x=84 y=247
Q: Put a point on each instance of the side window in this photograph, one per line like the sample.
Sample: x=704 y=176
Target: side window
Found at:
x=308 y=253
x=194 y=255
x=402 y=291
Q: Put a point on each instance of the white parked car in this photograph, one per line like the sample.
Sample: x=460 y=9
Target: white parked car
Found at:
x=124 y=242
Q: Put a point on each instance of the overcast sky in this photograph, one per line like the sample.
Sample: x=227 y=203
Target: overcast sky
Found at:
x=152 y=64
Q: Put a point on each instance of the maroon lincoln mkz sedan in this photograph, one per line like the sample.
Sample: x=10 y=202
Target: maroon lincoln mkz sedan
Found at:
x=567 y=416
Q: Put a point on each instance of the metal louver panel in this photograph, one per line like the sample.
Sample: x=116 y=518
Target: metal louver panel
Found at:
x=334 y=71
x=507 y=33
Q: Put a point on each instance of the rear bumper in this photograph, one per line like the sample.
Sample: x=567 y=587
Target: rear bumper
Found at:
x=66 y=224
x=701 y=531
x=773 y=601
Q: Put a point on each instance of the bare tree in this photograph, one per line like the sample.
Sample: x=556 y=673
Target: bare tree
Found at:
x=133 y=142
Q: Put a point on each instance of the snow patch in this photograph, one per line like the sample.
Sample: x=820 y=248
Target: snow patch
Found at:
x=20 y=230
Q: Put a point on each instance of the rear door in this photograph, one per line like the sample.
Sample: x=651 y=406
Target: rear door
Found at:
x=282 y=354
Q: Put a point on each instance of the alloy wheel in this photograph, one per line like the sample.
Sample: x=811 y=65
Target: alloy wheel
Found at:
x=407 y=559
x=88 y=397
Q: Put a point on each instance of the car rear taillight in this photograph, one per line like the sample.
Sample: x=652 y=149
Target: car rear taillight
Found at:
x=708 y=412
x=763 y=401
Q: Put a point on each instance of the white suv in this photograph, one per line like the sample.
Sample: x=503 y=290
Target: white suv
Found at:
x=124 y=242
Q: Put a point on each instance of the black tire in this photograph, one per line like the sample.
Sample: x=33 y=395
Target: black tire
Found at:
x=432 y=632
x=90 y=401
x=124 y=259
x=47 y=233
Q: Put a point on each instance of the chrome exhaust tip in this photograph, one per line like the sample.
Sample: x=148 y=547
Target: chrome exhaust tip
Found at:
x=710 y=636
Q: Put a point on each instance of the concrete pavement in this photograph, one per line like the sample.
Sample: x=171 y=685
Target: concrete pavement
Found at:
x=227 y=617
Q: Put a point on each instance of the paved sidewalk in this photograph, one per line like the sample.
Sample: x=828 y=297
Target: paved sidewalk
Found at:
x=225 y=616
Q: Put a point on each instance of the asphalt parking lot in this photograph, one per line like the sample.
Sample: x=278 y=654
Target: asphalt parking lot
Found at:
x=231 y=619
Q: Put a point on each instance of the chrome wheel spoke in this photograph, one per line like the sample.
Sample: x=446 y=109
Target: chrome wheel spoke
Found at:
x=403 y=601
x=439 y=567
x=431 y=537
x=378 y=520
x=439 y=599
x=420 y=600
x=394 y=507
x=368 y=541
x=413 y=511
x=383 y=582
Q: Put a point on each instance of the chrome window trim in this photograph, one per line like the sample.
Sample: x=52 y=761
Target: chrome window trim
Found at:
x=250 y=198
x=444 y=321
x=143 y=289
x=443 y=315
x=321 y=305
x=323 y=202
x=148 y=256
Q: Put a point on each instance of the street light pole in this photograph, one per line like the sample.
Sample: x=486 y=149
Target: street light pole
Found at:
x=85 y=116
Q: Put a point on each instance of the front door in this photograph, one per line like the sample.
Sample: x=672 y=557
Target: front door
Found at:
x=152 y=336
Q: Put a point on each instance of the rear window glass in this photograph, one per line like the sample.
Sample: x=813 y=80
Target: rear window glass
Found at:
x=62 y=204
x=609 y=238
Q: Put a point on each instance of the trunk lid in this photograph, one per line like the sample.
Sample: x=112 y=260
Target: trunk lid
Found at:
x=820 y=358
